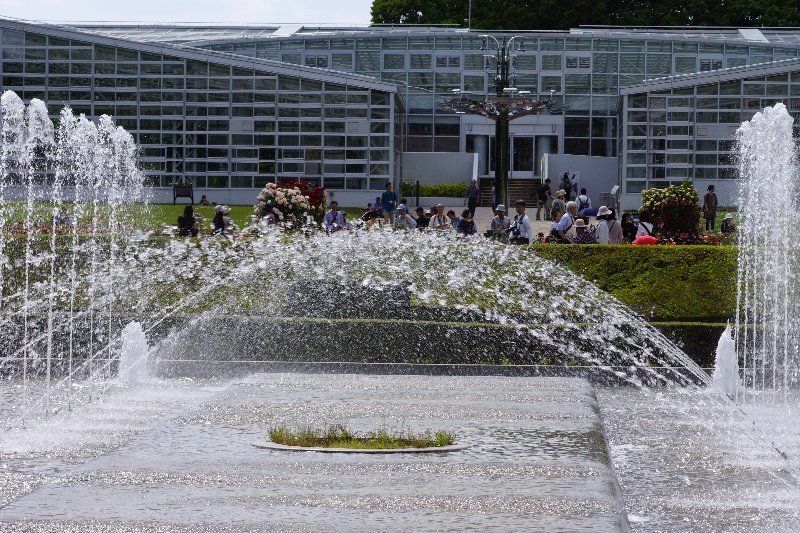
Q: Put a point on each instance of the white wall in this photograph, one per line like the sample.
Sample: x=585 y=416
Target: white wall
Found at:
x=433 y=168
x=597 y=174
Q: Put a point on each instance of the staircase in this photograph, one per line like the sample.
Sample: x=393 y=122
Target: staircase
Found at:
x=518 y=189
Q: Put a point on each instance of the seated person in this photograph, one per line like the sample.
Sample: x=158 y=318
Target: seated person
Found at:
x=554 y=226
x=222 y=220
x=454 y=220
x=404 y=220
x=333 y=218
x=204 y=200
x=466 y=225
x=727 y=224
x=187 y=224
x=422 y=219
x=500 y=222
x=439 y=220
x=584 y=234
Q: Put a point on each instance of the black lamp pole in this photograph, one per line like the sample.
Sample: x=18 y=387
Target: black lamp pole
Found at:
x=502 y=150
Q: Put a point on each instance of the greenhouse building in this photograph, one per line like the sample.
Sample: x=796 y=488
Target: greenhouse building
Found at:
x=229 y=108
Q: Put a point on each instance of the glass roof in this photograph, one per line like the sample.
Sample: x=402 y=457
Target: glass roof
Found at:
x=179 y=33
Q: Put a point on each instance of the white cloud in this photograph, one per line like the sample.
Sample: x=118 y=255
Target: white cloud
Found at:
x=217 y=11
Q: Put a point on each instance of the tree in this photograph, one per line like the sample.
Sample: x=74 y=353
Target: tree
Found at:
x=562 y=15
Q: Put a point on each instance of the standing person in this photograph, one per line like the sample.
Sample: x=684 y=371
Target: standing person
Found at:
x=333 y=218
x=601 y=230
x=500 y=222
x=187 y=224
x=614 y=228
x=567 y=221
x=583 y=201
x=472 y=196
x=520 y=231
x=608 y=230
x=466 y=226
x=439 y=221
x=628 y=227
x=710 y=205
x=545 y=198
x=566 y=185
x=645 y=226
x=559 y=204
x=388 y=203
x=422 y=219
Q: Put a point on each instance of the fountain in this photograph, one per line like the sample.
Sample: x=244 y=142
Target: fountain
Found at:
x=726 y=366
x=766 y=321
x=135 y=359
x=133 y=356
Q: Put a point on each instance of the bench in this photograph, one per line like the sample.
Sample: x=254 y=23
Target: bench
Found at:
x=182 y=191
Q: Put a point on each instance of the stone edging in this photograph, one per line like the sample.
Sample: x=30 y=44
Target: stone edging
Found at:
x=273 y=446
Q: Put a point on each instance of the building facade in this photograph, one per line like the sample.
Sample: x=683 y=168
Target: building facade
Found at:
x=230 y=108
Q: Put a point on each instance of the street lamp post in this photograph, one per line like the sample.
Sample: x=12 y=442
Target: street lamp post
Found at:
x=504 y=106
x=503 y=84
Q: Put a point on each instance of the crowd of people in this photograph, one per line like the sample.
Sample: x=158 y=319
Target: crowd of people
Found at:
x=570 y=220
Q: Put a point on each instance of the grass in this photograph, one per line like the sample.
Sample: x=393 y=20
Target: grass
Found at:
x=340 y=436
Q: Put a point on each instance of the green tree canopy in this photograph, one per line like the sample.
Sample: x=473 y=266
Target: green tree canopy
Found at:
x=561 y=15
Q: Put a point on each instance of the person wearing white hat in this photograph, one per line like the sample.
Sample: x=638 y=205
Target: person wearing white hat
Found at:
x=583 y=233
x=727 y=224
x=221 y=219
x=500 y=222
x=602 y=226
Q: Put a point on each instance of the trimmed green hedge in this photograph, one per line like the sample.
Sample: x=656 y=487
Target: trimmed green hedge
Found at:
x=664 y=283
x=446 y=190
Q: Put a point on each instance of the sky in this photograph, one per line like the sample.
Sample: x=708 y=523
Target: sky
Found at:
x=216 y=11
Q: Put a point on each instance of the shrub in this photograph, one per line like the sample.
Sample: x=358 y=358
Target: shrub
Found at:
x=665 y=283
x=286 y=206
x=675 y=212
x=446 y=190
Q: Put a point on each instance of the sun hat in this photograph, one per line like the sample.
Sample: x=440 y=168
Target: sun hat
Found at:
x=561 y=192
x=404 y=207
x=501 y=207
x=728 y=216
x=580 y=223
x=219 y=208
x=603 y=211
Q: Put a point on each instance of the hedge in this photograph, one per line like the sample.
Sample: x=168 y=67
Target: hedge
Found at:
x=446 y=190
x=664 y=283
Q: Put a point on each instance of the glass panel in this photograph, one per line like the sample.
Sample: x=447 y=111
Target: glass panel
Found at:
x=523 y=154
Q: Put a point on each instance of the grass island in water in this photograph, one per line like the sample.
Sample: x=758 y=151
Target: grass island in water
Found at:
x=340 y=436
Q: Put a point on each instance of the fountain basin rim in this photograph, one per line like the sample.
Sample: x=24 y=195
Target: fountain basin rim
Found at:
x=268 y=445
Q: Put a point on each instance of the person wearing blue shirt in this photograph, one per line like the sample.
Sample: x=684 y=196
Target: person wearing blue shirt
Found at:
x=388 y=202
x=333 y=219
x=566 y=222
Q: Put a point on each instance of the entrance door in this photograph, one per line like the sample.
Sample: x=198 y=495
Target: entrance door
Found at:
x=522 y=155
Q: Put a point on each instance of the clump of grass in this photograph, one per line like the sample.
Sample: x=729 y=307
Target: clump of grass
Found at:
x=340 y=436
